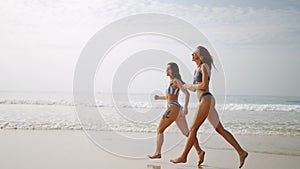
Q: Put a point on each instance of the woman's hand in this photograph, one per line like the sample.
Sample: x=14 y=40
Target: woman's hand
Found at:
x=185 y=86
x=156 y=97
x=188 y=86
x=185 y=110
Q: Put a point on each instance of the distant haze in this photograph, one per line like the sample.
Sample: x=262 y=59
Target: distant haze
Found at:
x=257 y=42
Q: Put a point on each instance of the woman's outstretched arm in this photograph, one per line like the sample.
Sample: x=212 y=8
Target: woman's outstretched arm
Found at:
x=156 y=97
x=190 y=87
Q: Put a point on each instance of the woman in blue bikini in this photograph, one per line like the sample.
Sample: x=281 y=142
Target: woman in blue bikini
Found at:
x=206 y=108
x=175 y=111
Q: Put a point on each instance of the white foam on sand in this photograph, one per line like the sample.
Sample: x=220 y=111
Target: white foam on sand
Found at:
x=60 y=117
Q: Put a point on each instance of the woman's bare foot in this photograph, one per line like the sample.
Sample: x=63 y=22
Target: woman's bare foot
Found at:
x=243 y=157
x=201 y=157
x=178 y=160
x=154 y=156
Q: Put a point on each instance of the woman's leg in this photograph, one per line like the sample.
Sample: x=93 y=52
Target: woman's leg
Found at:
x=215 y=122
x=183 y=126
x=201 y=114
x=168 y=118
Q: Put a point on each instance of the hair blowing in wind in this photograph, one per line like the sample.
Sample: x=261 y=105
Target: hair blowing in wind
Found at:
x=175 y=71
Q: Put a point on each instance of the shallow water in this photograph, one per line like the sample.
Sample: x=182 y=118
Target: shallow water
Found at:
x=239 y=114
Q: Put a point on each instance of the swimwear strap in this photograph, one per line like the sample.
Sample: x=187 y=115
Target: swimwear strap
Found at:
x=174 y=104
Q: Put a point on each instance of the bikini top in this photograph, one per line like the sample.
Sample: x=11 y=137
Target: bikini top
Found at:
x=198 y=77
x=173 y=91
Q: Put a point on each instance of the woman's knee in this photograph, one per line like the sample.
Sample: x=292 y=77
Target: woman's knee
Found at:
x=160 y=130
x=186 y=133
x=193 y=130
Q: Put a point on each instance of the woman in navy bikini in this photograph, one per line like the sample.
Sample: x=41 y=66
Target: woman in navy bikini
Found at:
x=175 y=111
x=206 y=108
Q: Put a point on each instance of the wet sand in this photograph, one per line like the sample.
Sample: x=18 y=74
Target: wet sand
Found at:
x=35 y=149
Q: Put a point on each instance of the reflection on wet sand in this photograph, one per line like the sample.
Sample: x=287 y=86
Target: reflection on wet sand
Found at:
x=157 y=166
x=153 y=166
x=166 y=166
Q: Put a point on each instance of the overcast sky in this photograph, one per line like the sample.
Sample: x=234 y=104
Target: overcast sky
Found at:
x=257 y=42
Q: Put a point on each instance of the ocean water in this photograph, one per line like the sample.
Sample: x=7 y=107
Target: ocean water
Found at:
x=250 y=115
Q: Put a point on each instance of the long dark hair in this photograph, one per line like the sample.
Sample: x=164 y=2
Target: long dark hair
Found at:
x=207 y=58
x=175 y=71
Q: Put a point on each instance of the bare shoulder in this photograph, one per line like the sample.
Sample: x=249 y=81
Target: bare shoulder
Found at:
x=177 y=82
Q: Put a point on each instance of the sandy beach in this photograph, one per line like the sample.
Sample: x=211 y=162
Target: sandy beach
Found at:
x=89 y=84
x=30 y=149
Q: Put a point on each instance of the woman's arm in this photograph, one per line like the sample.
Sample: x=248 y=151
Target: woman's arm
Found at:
x=187 y=96
x=156 y=97
x=190 y=87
